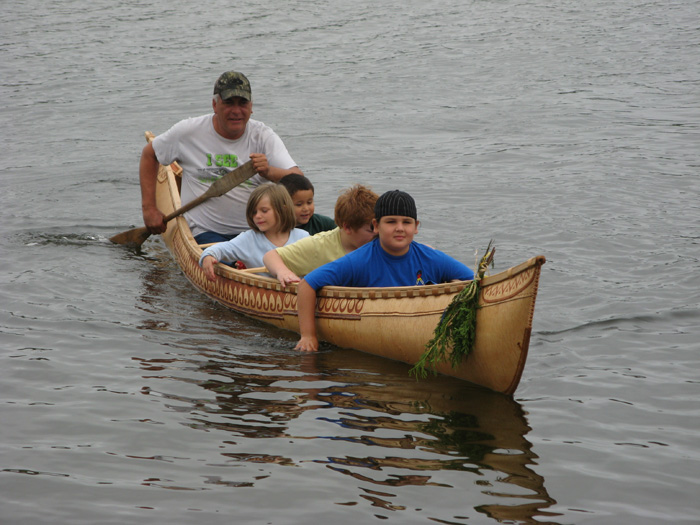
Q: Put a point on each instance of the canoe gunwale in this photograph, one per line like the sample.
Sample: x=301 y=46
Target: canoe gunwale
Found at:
x=390 y=292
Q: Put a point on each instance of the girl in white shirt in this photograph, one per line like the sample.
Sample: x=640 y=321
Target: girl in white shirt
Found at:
x=270 y=214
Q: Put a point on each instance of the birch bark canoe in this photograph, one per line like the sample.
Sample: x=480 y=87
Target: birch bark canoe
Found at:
x=395 y=323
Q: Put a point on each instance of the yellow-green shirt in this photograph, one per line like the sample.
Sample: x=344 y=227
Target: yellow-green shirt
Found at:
x=311 y=252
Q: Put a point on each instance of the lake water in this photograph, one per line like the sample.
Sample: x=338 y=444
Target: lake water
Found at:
x=566 y=129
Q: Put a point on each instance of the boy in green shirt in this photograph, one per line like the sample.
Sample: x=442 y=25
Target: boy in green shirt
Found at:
x=302 y=192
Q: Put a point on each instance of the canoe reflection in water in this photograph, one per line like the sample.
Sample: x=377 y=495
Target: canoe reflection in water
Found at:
x=478 y=430
x=391 y=430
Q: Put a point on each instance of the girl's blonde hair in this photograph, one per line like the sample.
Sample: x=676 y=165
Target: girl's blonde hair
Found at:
x=281 y=204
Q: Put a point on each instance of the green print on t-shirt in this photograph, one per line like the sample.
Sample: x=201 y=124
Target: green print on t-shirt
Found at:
x=222 y=161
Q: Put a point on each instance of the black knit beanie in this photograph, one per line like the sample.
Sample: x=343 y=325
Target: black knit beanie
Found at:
x=395 y=202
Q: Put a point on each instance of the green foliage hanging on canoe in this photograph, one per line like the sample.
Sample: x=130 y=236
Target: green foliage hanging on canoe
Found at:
x=455 y=334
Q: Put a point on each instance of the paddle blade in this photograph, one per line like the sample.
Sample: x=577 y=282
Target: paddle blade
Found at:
x=132 y=238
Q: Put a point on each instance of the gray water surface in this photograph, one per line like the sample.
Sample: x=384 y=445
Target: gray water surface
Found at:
x=567 y=129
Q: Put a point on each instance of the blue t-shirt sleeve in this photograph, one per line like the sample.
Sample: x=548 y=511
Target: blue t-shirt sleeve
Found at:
x=334 y=273
x=455 y=270
x=321 y=276
x=445 y=268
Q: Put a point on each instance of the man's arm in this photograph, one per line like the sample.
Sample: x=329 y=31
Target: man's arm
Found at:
x=275 y=265
x=306 y=308
x=270 y=172
x=153 y=218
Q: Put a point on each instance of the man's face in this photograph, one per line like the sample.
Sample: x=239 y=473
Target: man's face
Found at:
x=231 y=116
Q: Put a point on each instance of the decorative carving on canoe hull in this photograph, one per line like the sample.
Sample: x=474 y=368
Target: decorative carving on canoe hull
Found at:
x=508 y=289
x=256 y=301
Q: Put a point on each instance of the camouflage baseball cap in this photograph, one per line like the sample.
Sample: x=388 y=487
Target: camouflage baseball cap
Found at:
x=233 y=84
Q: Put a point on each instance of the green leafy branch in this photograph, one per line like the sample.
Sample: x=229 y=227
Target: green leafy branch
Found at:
x=455 y=334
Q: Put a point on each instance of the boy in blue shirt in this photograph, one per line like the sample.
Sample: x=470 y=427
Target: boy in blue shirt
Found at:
x=392 y=259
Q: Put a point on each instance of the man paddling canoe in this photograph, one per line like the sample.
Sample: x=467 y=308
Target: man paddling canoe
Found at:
x=207 y=147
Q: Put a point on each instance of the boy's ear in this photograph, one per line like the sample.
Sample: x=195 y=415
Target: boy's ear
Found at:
x=417 y=224
x=375 y=224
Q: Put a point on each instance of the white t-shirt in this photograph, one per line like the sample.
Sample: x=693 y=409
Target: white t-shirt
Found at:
x=248 y=247
x=206 y=156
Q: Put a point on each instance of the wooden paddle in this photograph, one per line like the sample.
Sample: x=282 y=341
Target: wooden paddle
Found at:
x=136 y=236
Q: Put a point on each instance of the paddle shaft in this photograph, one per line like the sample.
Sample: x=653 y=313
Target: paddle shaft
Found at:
x=221 y=186
x=137 y=236
x=192 y=204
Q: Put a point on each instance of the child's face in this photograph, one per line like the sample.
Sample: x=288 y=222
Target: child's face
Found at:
x=396 y=233
x=303 y=205
x=265 y=217
x=361 y=236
